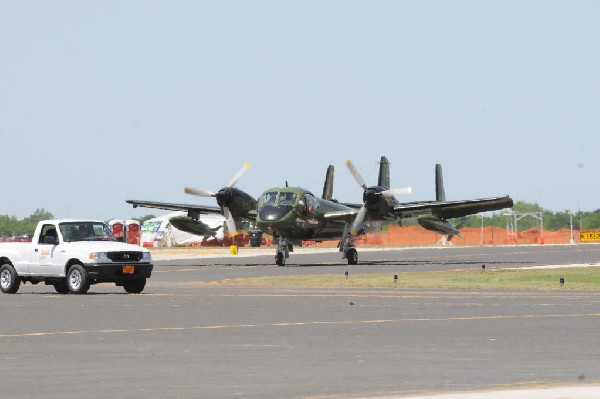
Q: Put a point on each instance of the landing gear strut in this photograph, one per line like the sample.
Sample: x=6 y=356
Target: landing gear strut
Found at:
x=283 y=251
x=347 y=247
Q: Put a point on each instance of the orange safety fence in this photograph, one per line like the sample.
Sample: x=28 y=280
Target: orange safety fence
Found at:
x=396 y=236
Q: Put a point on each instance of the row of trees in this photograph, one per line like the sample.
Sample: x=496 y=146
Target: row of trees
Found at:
x=552 y=220
x=11 y=226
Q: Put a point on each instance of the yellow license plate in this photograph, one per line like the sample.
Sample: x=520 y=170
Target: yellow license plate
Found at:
x=128 y=269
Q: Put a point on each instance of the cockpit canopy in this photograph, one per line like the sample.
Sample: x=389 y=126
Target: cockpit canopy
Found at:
x=273 y=204
x=277 y=198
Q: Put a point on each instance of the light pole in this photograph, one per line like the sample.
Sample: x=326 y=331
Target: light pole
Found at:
x=572 y=240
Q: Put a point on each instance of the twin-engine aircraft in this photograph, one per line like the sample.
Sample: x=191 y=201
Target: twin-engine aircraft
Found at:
x=292 y=213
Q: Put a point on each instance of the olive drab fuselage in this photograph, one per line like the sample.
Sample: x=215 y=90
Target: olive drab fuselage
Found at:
x=297 y=214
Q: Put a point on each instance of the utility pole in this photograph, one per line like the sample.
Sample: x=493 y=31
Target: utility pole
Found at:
x=572 y=240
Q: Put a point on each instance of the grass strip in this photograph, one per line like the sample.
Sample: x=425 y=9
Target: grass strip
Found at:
x=576 y=278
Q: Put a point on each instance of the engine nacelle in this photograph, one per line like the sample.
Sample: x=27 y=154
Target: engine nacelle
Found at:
x=438 y=225
x=189 y=225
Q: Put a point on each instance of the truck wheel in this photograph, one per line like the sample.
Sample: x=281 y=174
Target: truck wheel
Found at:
x=61 y=287
x=9 y=280
x=78 y=280
x=134 y=286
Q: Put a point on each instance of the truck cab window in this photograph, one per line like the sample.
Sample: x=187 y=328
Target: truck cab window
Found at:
x=48 y=230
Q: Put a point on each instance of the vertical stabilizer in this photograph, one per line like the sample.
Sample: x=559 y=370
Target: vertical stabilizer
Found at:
x=440 y=194
x=328 y=186
x=384 y=173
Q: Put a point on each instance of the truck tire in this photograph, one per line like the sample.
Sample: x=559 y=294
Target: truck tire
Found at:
x=61 y=287
x=78 y=280
x=9 y=280
x=134 y=286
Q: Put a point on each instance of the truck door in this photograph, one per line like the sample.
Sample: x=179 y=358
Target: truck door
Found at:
x=45 y=259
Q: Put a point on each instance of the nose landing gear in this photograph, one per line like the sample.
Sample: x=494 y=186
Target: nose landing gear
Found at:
x=283 y=251
x=347 y=247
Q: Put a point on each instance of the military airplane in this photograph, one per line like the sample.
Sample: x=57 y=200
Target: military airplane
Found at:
x=293 y=213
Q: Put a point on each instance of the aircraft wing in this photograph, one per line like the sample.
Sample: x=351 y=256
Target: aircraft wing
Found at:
x=192 y=210
x=451 y=209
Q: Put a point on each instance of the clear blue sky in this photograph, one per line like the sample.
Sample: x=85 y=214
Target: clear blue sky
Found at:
x=103 y=101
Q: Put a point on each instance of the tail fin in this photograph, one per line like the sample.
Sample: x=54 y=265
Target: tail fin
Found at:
x=440 y=194
x=328 y=185
x=384 y=173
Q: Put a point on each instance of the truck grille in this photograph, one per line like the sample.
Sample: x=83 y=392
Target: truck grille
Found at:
x=124 y=256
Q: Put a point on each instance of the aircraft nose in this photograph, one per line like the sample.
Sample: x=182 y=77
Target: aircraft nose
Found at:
x=270 y=213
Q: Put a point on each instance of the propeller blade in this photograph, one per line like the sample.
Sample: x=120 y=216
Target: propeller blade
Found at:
x=230 y=222
x=198 y=191
x=358 y=221
x=357 y=176
x=397 y=191
x=238 y=175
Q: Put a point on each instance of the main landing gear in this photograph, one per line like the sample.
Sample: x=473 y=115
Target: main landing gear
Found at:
x=347 y=247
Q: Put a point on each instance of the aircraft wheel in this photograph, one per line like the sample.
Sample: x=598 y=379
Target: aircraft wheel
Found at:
x=352 y=256
x=280 y=259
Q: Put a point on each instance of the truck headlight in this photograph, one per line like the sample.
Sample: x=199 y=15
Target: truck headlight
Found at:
x=99 y=257
x=146 y=256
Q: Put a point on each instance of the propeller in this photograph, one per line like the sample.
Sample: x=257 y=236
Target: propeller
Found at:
x=359 y=179
x=199 y=192
x=369 y=196
x=396 y=191
x=223 y=196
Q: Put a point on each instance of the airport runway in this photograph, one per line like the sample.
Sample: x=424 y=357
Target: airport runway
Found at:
x=188 y=336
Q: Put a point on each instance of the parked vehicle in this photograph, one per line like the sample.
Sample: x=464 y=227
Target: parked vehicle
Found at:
x=71 y=255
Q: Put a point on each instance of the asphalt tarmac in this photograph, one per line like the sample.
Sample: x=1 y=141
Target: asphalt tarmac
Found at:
x=190 y=336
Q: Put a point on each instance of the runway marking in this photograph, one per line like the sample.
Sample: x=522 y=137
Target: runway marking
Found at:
x=407 y=296
x=207 y=268
x=297 y=324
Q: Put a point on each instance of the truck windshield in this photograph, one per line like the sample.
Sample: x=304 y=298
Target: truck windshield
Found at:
x=85 y=231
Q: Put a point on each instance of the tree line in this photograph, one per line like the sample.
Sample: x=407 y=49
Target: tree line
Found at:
x=552 y=221
x=10 y=226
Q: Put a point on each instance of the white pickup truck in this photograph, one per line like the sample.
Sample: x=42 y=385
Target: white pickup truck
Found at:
x=71 y=255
